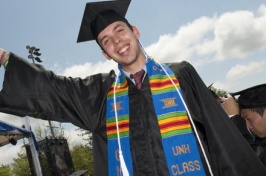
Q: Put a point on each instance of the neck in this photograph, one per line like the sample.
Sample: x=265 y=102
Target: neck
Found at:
x=137 y=65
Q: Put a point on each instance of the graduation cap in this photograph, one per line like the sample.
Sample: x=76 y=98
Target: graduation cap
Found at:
x=253 y=97
x=98 y=15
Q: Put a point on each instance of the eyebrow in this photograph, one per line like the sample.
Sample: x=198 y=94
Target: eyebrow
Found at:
x=244 y=116
x=118 y=25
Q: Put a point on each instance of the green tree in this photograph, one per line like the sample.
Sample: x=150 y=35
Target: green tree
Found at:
x=5 y=170
x=82 y=158
x=219 y=92
x=20 y=167
x=86 y=136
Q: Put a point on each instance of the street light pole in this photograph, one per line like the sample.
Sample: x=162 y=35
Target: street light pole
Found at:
x=34 y=55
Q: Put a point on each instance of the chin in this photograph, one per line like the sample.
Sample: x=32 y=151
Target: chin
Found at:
x=261 y=135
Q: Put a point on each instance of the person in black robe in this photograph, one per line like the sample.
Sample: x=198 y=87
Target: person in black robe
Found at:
x=251 y=103
x=29 y=89
x=231 y=108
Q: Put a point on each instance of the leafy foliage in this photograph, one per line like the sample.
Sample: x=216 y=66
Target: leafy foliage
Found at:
x=5 y=170
x=21 y=167
x=86 y=136
x=82 y=158
x=219 y=92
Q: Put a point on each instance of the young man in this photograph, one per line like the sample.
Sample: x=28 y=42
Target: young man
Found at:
x=168 y=125
x=252 y=107
x=231 y=108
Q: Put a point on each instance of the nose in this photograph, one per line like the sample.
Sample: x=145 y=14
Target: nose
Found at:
x=116 y=39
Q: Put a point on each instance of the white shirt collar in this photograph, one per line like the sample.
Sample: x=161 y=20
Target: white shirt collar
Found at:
x=143 y=68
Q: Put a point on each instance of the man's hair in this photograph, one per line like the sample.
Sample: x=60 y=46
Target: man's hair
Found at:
x=260 y=111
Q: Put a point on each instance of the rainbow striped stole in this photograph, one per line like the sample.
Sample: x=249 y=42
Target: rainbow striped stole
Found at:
x=170 y=124
x=174 y=124
x=161 y=84
x=123 y=120
x=175 y=128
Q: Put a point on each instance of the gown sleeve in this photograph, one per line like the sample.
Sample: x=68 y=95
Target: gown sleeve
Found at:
x=30 y=90
x=228 y=152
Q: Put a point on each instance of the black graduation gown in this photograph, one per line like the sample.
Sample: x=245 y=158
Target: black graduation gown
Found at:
x=31 y=90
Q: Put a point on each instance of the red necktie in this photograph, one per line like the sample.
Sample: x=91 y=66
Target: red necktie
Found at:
x=138 y=78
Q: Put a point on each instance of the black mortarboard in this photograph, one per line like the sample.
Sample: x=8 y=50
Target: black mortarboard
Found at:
x=98 y=15
x=253 y=97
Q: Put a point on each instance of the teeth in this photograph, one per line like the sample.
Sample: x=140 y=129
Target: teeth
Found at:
x=123 y=50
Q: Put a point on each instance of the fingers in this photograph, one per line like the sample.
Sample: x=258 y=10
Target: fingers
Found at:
x=229 y=95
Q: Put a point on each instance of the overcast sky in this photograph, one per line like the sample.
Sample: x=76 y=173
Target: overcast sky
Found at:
x=224 y=40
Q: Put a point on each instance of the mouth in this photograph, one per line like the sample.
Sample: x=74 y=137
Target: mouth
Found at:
x=123 y=49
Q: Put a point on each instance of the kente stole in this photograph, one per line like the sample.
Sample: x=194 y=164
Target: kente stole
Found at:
x=179 y=143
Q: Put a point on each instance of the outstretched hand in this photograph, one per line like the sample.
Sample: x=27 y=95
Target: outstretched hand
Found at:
x=2 y=55
x=1 y=51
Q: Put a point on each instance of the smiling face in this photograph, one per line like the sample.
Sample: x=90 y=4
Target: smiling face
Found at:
x=120 y=43
x=255 y=122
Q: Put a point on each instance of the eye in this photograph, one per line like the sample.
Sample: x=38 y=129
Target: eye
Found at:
x=248 y=118
x=105 y=41
x=119 y=30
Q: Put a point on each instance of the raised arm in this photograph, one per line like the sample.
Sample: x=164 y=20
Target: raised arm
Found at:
x=29 y=89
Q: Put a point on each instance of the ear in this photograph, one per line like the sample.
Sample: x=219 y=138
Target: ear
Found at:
x=106 y=55
x=136 y=31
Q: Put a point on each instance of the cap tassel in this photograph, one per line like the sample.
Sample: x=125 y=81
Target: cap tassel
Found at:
x=123 y=164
